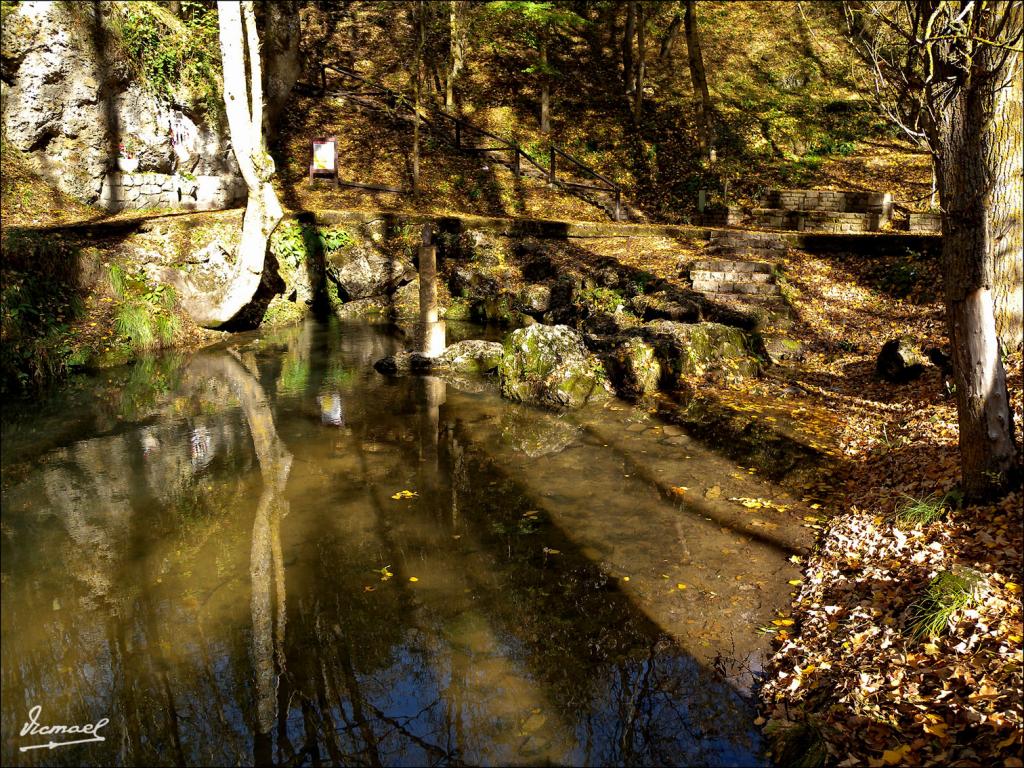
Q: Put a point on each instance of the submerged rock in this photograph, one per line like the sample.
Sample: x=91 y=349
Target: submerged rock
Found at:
x=549 y=365
x=471 y=356
x=699 y=348
x=900 y=361
x=537 y=434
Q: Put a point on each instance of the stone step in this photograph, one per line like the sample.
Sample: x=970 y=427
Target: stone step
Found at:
x=744 y=253
x=745 y=287
x=729 y=276
x=731 y=265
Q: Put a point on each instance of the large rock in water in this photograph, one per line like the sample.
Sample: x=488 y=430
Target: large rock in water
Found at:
x=633 y=368
x=900 y=361
x=686 y=349
x=470 y=356
x=549 y=365
x=361 y=272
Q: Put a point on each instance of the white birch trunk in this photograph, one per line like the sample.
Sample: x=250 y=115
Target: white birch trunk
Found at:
x=243 y=103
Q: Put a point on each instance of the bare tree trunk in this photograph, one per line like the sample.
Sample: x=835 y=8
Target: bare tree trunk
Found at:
x=545 y=89
x=698 y=76
x=627 y=45
x=978 y=153
x=668 y=42
x=457 y=48
x=281 y=56
x=417 y=87
x=243 y=102
x=1006 y=216
x=641 y=63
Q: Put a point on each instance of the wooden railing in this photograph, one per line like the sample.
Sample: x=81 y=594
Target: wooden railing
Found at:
x=461 y=128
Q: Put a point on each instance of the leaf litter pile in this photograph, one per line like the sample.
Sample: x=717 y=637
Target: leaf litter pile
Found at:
x=906 y=641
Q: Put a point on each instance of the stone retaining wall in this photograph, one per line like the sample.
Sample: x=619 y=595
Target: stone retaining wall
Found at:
x=723 y=216
x=123 y=191
x=830 y=200
x=817 y=221
x=925 y=222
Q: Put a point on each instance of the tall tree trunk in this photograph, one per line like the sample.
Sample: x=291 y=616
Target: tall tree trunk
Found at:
x=627 y=45
x=417 y=88
x=641 y=63
x=977 y=148
x=1007 y=219
x=545 y=89
x=698 y=76
x=668 y=42
x=281 y=57
x=243 y=103
x=457 y=48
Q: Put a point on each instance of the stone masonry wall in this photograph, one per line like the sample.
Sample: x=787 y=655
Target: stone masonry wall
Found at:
x=924 y=222
x=123 y=191
x=830 y=200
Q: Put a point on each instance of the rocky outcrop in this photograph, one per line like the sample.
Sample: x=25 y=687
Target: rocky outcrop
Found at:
x=633 y=368
x=685 y=349
x=68 y=106
x=360 y=272
x=549 y=366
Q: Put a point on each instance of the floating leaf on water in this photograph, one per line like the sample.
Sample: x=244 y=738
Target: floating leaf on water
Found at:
x=413 y=578
x=404 y=495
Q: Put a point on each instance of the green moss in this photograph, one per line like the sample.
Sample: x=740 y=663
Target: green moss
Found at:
x=281 y=312
x=169 y=52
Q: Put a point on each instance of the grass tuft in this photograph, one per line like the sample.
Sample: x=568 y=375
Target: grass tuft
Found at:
x=916 y=513
x=947 y=593
x=118 y=280
x=133 y=321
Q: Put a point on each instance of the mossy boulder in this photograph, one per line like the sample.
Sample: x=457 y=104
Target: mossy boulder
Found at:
x=471 y=356
x=360 y=271
x=549 y=365
x=633 y=368
x=281 y=312
x=688 y=349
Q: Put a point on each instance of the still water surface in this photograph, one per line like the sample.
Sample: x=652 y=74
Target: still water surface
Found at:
x=207 y=550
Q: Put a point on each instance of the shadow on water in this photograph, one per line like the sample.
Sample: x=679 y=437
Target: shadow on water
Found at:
x=229 y=577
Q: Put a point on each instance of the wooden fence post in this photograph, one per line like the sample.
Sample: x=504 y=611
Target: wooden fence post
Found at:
x=516 y=170
x=551 y=172
x=618 y=205
x=431 y=331
x=458 y=134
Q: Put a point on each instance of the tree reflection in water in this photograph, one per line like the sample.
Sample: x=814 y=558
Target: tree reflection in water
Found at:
x=127 y=567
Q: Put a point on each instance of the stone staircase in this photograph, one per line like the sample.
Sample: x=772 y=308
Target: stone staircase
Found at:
x=736 y=264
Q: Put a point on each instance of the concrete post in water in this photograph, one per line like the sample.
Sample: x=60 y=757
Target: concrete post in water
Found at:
x=431 y=331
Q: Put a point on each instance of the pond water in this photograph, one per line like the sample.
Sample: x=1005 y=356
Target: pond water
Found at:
x=270 y=553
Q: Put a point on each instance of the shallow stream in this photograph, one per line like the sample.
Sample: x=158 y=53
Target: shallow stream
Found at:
x=271 y=553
